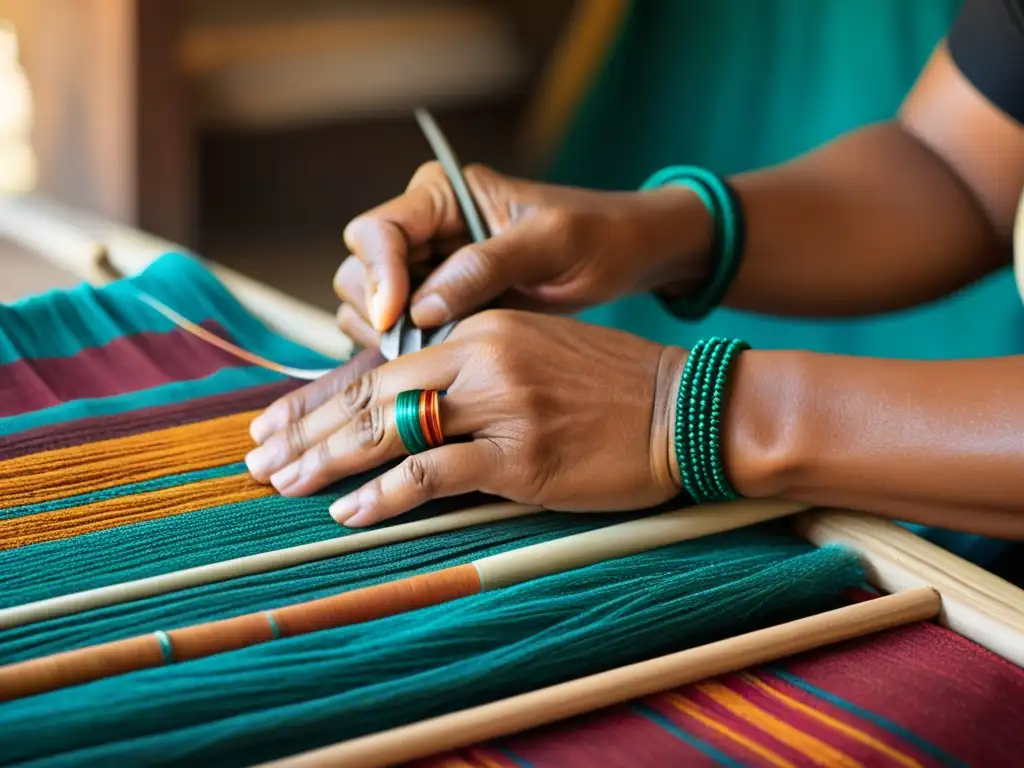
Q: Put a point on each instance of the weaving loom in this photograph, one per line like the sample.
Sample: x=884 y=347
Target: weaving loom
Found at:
x=121 y=446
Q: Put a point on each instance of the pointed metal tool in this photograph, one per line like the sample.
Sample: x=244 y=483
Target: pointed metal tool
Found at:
x=404 y=337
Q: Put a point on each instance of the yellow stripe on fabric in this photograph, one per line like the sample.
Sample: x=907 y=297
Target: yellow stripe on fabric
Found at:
x=124 y=510
x=816 y=750
x=848 y=730
x=697 y=712
x=64 y=472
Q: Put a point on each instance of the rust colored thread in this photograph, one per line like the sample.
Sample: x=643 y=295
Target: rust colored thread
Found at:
x=76 y=667
x=95 y=466
x=111 y=513
x=95 y=662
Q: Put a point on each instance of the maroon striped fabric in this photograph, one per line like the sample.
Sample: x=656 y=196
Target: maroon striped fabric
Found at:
x=89 y=430
x=126 y=364
x=146 y=420
x=915 y=696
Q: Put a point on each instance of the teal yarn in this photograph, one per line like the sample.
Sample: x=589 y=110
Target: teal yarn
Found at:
x=407 y=420
x=700 y=406
x=728 y=240
x=296 y=693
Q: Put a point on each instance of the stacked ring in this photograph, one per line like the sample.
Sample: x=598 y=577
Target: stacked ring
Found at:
x=418 y=418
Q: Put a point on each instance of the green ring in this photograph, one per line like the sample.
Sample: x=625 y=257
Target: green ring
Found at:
x=407 y=419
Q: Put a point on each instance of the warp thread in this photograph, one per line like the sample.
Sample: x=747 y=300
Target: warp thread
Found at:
x=300 y=692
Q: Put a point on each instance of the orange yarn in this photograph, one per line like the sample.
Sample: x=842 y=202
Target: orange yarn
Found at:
x=82 y=665
x=134 y=508
x=66 y=472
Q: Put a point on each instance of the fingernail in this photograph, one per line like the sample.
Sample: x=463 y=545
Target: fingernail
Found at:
x=431 y=310
x=376 y=308
x=285 y=477
x=260 y=461
x=361 y=518
x=267 y=423
x=344 y=508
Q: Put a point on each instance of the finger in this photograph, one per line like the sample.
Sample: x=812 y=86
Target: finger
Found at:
x=350 y=285
x=450 y=470
x=356 y=328
x=382 y=238
x=476 y=274
x=365 y=443
x=297 y=404
x=432 y=368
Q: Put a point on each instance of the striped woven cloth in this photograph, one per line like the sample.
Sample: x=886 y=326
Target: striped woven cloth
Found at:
x=120 y=457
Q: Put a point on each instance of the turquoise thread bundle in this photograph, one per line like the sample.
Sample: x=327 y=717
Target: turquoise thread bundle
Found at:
x=728 y=238
x=700 y=409
x=146 y=549
x=299 y=692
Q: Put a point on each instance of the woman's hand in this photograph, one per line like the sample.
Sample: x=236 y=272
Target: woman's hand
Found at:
x=554 y=249
x=540 y=410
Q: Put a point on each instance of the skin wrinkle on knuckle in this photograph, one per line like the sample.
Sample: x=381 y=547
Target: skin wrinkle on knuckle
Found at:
x=418 y=476
x=357 y=395
x=370 y=431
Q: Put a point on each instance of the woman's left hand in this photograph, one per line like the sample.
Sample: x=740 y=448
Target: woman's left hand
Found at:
x=539 y=409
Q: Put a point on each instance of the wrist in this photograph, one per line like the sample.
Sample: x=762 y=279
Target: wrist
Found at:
x=765 y=422
x=664 y=461
x=675 y=232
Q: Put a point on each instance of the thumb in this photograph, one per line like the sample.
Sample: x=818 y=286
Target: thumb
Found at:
x=478 y=273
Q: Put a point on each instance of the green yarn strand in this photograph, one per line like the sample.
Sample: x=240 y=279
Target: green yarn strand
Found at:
x=296 y=693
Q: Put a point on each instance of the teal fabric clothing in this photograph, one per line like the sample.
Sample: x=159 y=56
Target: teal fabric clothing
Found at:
x=734 y=85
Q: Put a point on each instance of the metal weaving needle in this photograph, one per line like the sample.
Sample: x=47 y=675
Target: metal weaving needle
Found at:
x=404 y=337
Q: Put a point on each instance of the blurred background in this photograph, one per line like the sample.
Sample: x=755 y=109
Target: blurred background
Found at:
x=251 y=131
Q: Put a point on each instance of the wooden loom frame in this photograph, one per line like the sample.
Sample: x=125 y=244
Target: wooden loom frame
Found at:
x=974 y=603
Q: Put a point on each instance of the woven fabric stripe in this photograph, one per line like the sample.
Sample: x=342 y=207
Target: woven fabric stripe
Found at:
x=62 y=323
x=126 y=364
x=107 y=463
x=872 y=701
x=91 y=330
x=143 y=420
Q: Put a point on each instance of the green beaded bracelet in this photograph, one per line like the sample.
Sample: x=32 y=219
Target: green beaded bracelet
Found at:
x=700 y=408
x=728 y=239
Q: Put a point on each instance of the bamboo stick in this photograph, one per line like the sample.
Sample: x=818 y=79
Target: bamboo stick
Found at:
x=79 y=242
x=976 y=604
x=587 y=694
x=355 y=606
x=264 y=562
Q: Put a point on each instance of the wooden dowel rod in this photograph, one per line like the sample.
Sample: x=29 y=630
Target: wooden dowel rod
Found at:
x=82 y=665
x=646 y=533
x=976 y=604
x=264 y=562
x=587 y=694
x=67 y=236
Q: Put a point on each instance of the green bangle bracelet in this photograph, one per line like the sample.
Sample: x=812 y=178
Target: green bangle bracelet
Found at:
x=728 y=239
x=407 y=420
x=700 y=408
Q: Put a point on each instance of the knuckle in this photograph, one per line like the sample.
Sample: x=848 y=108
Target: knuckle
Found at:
x=296 y=437
x=418 y=475
x=369 y=428
x=357 y=395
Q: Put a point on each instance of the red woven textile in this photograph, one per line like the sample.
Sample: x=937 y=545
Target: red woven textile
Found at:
x=915 y=696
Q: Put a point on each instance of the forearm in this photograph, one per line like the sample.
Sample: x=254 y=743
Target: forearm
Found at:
x=872 y=222
x=939 y=443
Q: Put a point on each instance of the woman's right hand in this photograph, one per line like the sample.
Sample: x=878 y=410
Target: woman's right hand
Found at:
x=553 y=249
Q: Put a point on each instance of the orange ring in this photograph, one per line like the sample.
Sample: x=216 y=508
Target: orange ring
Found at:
x=431 y=419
